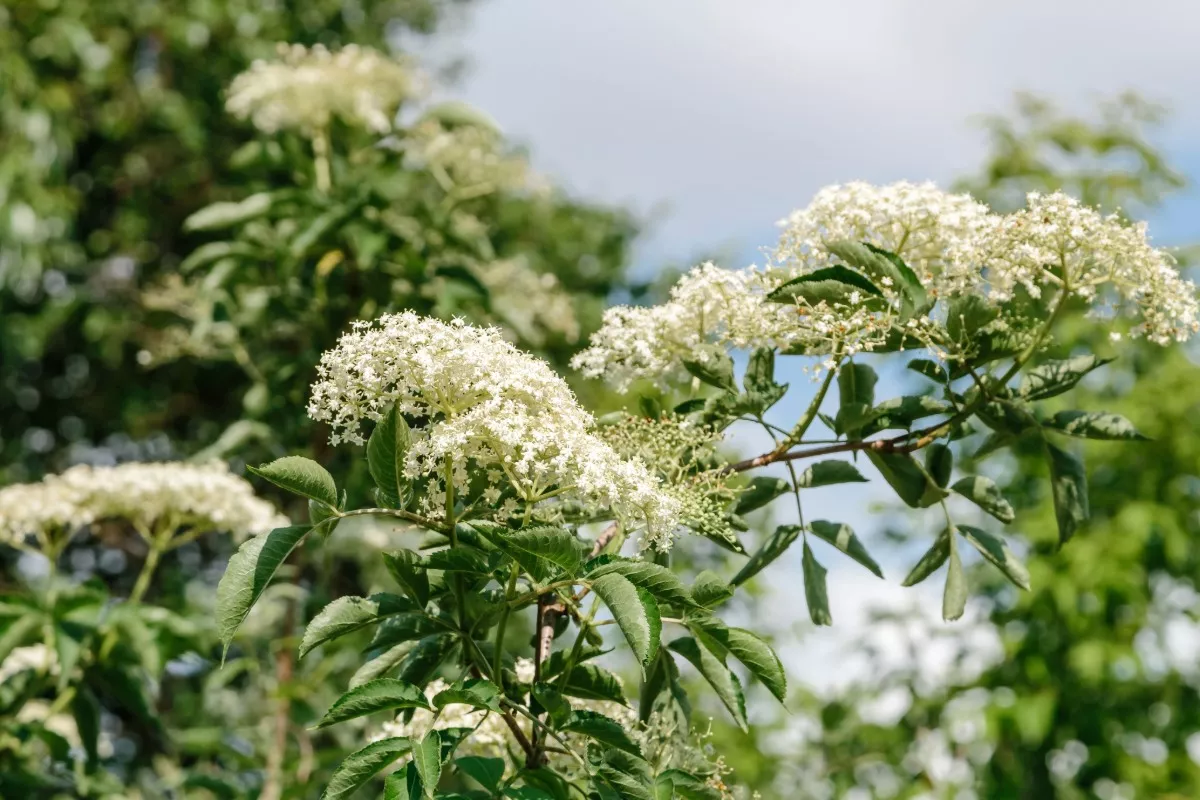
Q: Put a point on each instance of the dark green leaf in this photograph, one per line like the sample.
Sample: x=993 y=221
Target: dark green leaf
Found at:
x=828 y=473
x=939 y=463
x=686 y=786
x=408 y=570
x=487 y=772
x=476 y=692
x=654 y=578
x=380 y=665
x=381 y=694
x=1055 y=377
x=362 y=765
x=934 y=557
x=841 y=536
x=760 y=491
x=908 y=478
x=426 y=657
x=552 y=702
x=717 y=371
x=604 y=730
x=459 y=559
x=815 y=591
x=591 y=682
x=984 y=493
x=1068 y=482
x=386 y=450
x=836 y=285
x=760 y=371
x=996 y=551
x=248 y=574
x=301 y=476
x=881 y=264
x=631 y=614
x=1094 y=425
x=753 y=652
x=403 y=627
x=348 y=614
x=775 y=546
x=555 y=545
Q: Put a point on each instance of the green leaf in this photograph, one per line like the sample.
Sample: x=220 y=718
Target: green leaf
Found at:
x=551 y=544
x=362 y=765
x=408 y=570
x=321 y=224
x=403 y=784
x=753 y=652
x=841 y=536
x=424 y=658
x=558 y=659
x=662 y=676
x=856 y=394
x=655 y=620
x=712 y=668
x=775 y=546
x=709 y=590
x=1055 y=377
x=475 y=692
x=954 y=596
x=686 y=786
x=909 y=479
x=930 y=369
x=224 y=215
x=628 y=775
x=86 y=710
x=206 y=254
x=404 y=627
x=348 y=614
x=378 y=695
x=427 y=758
x=552 y=702
x=881 y=264
x=654 y=578
x=459 y=559
x=934 y=557
x=984 y=493
x=834 y=285
x=386 y=451
x=1068 y=482
x=487 y=772
x=760 y=491
x=380 y=665
x=604 y=730
x=815 y=592
x=939 y=463
x=592 y=682
x=760 y=372
x=902 y=412
x=22 y=631
x=1094 y=425
x=301 y=476
x=631 y=614
x=248 y=574
x=828 y=473
x=717 y=371
x=996 y=551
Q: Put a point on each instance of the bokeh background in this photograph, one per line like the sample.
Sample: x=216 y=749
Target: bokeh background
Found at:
x=670 y=133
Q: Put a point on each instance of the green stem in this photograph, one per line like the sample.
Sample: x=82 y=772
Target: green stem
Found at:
x=320 y=145
x=577 y=648
x=501 y=625
x=810 y=414
x=536 y=593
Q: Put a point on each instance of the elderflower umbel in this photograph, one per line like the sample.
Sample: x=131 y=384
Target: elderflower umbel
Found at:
x=468 y=157
x=306 y=88
x=487 y=404
x=147 y=495
x=1056 y=241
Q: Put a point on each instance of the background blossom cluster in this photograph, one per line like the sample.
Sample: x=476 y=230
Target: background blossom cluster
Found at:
x=146 y=494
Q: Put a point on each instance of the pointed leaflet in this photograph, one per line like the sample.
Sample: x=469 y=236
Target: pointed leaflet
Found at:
x=548 y=543
x=827 y=473
x=408 y=570
x=984 y=493
x=628 y=775
x=377 y=695
x=383 y=663
x=723 y=681
x=815 y=592
x=348 y=614
x=760 y=371
x=717 y=371
x=1068 y=482
x=654 y=578
x=1094 y=425
x=709 y=590
x=662 y=676
x=427 y=758
x=477 y=693
x=248 y=574
x=362 y=765
x=909 y=479
x=425 y=657
x=403 y=784
x=885 y=267
x=996 y=551
x=487 y=772
x=856 y=394
x=590 y=682
x=841 y=536
x=759 y=492
x=954 y=595
x=775 y=546
x=836 y=285
x=629 y=611
x=603 y=729
x=301 y=476
x=753 y=652
x=386 y=450
x=1055 y=377
x=934 y=557
x=939 y=463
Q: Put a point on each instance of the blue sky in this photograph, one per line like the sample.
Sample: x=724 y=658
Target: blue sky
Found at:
x=717 y=118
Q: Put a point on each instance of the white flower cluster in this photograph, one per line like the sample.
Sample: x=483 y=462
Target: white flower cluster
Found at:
x=306 y=88
x=490 y=736
x=954 y=246
x=484 y=402
x=35 y=657
x=533 y=304
x=467 y=157
x=147 y=495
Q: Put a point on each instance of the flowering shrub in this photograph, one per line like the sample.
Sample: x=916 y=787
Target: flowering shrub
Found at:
x=526 y=499
x=526 y=513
